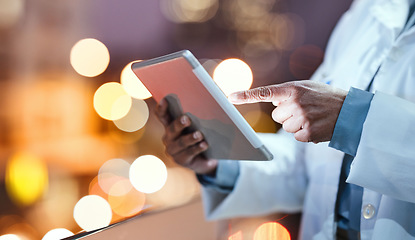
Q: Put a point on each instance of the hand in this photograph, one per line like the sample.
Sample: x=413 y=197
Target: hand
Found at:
x=309 y=109
x=184 y=148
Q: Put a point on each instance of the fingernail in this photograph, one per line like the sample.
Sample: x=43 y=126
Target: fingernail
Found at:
x=184 y=120
x=162 y=103
x=197 y=135
x=203 y=145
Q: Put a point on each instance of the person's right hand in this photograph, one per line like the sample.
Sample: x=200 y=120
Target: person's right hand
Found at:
x=184 y=148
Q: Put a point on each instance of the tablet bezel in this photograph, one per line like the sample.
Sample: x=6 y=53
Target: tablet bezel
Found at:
x=228 y=108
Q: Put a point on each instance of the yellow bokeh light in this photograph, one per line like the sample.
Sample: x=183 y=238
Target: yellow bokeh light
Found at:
x=136 y=118
x=26 y=178
x=57 y=233
x=233 y=75
x=148 y=174
x=271 y=231
x=236 y=236
x=89 y=57
x=127 y=204
x=9 y=237
x=111 y=172
x=92 y=212
x=132 y=84
x=10 y=12
x=182 y=11
x=260 y=121
x=111 y=101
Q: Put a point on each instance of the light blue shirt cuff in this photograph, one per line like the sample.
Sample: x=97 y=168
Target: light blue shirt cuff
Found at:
x=226 y=174
x=349 y=125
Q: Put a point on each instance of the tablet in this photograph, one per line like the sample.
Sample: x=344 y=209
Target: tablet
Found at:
x=188 y=88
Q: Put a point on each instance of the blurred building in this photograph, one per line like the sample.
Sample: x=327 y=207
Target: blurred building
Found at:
x=54 y=143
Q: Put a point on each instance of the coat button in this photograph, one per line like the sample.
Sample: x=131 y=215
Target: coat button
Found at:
x=369 y=211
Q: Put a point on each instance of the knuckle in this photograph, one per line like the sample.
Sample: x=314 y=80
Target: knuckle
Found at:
x=263 y=93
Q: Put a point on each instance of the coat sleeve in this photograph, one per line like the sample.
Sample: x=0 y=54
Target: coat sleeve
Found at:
x=263 y=187
x=385 y=159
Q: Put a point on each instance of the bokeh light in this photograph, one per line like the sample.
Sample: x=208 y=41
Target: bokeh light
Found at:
x=111 y=101
x=260 y=121
x=148 y=174
x=271 y=231
x=10 y=237
x=10 y=12
x=233 y=75
x=287 y=31
x=57 y=233
x=132 y=84
x=236 y=236
x=89 y=57
x=181 y=187
x=136 y=118
x=92 y=212
x=128 y=204
x=182 y=11
x=26 y=178
x=111 y=172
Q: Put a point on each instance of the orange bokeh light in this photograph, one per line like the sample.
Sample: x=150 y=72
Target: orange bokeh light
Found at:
x=236 y=236
x=128 y=204
x=271 y=231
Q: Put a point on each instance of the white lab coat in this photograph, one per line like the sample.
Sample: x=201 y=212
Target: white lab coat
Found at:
x=304 y=176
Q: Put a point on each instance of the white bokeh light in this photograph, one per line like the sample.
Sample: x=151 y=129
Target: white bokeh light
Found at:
x=57 y=233
x=92 y=212
x=9 y=237
x=132 y=84
x=89 y=57
x=148 y=174
x=233 y=75
x=136 y=118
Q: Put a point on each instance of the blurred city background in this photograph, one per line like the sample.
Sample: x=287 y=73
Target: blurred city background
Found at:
x=71 y=163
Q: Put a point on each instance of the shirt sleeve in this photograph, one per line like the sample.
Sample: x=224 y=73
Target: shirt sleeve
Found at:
x=226 y=174
x=349 y=125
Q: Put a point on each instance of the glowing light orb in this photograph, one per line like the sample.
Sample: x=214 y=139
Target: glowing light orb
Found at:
x=111 y=102
x=89 y=57
x=92 y=212
x=148 y=174
x=236 y=236
x=127 y=204
x=110 y=173
x=132 y=84
x=26 y=178
x=10 y=12
x=271 y=231
x=233 y=75
x=57 y=233
x=136 y=118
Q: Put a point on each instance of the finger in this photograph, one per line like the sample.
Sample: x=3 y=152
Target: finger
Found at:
x=175 y=129
x=282 y=113
x=184 y=142
x=293 y=124
x=203 y=166
x=262 y=94
x=162 y=113
x=187 y=156
x=303 y=135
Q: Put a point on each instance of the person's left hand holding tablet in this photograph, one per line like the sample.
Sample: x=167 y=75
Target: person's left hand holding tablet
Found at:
x=185 y=148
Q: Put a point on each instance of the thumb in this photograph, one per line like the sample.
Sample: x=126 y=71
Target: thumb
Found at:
x=260 y=94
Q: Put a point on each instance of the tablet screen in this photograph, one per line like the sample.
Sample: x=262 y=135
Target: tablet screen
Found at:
x=188 y=89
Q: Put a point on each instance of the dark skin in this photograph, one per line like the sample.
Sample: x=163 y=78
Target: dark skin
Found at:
x=184 y=148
